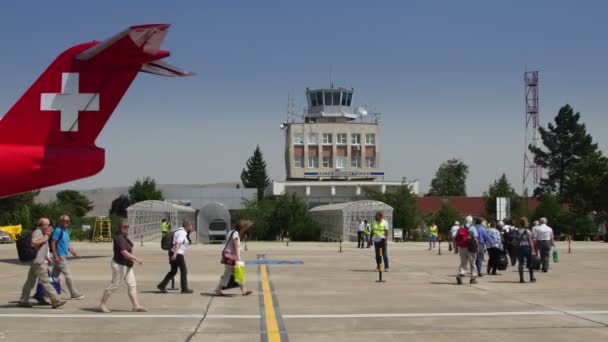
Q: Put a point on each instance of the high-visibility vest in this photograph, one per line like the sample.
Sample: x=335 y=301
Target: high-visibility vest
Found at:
x=379 y=228
x=164 y=226
x=368 y=229
x=433 y=230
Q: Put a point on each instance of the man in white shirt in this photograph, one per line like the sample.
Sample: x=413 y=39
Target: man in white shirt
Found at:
x=544 y=241
x=360 y=229
x=177 y=258
x=453 y=232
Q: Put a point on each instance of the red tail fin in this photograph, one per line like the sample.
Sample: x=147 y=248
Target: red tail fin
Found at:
x=73 y=99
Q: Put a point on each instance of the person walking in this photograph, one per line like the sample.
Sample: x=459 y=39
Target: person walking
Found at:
x=453 y=232
x=544 y=243
x=482 y=236
x=60 y=247
x=466 y=244
x=39 y=267
x=525 y=250
x=177 y=258
x=380 y=232
x=360 y=234
x=433 y=234
x=368 y=232
x=494 y=245
x=122 y=270
x=164 y=227
x=231 y=254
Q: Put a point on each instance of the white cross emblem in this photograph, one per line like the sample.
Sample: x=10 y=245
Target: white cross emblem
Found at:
x=70 y=101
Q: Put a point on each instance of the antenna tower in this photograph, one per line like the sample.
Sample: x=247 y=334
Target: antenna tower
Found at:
x=531 y=169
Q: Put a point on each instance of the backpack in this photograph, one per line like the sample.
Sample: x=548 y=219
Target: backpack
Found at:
x=166 y=242
x=512 y=237
x=503 y=262
x=462 y=237
x=25 y=251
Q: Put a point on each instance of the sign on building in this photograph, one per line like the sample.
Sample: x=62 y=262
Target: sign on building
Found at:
x=503 y=208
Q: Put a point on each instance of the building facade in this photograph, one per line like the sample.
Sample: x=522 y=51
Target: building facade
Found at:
x=333 y=154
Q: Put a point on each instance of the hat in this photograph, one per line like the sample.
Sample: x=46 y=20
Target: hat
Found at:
x=457 y=223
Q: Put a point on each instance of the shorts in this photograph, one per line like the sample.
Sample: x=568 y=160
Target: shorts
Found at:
x=433 y=239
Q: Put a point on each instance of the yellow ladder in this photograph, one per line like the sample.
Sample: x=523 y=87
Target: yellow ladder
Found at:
x=103 y=229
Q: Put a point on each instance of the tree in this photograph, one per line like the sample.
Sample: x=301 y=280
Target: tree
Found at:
x=144 y=190
x=403 y=201
x=120 y=205
x=450 y=179
x=500 y=188
x=566 y=143
x=444 y=219
x=80 y=204
x=587 y=184
x=18 y=209
x=254 y=174
x=279 y=215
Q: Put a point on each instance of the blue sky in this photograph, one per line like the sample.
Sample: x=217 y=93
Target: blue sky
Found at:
x=447 y=76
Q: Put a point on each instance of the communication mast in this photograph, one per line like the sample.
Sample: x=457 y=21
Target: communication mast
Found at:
x=531 y=169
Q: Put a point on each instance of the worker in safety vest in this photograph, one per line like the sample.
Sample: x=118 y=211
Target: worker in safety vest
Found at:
x=433 y=234
x=380 y=231
x=164 y=227
x=368 y=232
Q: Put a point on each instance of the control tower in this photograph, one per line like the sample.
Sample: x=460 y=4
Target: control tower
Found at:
x=335 y=141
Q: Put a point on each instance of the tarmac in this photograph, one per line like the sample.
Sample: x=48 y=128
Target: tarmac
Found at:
x=313 y=292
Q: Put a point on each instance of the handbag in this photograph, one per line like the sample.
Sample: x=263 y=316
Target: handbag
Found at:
x=227 y=257
x=239 y=272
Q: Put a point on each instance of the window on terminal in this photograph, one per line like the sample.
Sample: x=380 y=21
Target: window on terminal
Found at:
x=344 y=98
x=350 y=97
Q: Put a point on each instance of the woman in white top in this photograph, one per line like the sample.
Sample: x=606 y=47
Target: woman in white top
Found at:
x=230 y=255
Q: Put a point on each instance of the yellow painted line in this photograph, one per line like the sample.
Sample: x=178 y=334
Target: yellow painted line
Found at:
x=272 y=327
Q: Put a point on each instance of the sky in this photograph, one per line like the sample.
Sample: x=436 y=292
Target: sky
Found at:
x=447 y=77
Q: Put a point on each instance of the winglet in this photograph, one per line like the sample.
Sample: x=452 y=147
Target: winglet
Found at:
x=141 y=41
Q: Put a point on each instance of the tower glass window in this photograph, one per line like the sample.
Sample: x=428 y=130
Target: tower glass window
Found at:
x=370 y=139
x=327 y=139
x=319 y=98
x=350 y=97
x=336 y=101
x=313 y=99
x=313 y=138
x=355 y=139
x=328 y=98
x=341 y=139
x=298 y=139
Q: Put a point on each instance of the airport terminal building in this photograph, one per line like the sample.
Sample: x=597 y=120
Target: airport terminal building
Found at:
x=334 y=154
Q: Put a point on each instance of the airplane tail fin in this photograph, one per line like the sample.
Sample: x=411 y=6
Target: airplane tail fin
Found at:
x=75 y=96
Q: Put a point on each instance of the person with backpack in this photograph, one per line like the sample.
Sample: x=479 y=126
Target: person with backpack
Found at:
x=60 y=247
x=177 y=257
x=466 y=244
x=494 y=246
x=231 y=254
x=482 y=235
x=37 y=253
x=525 y=250
x=509 y=233
x=122 y=269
